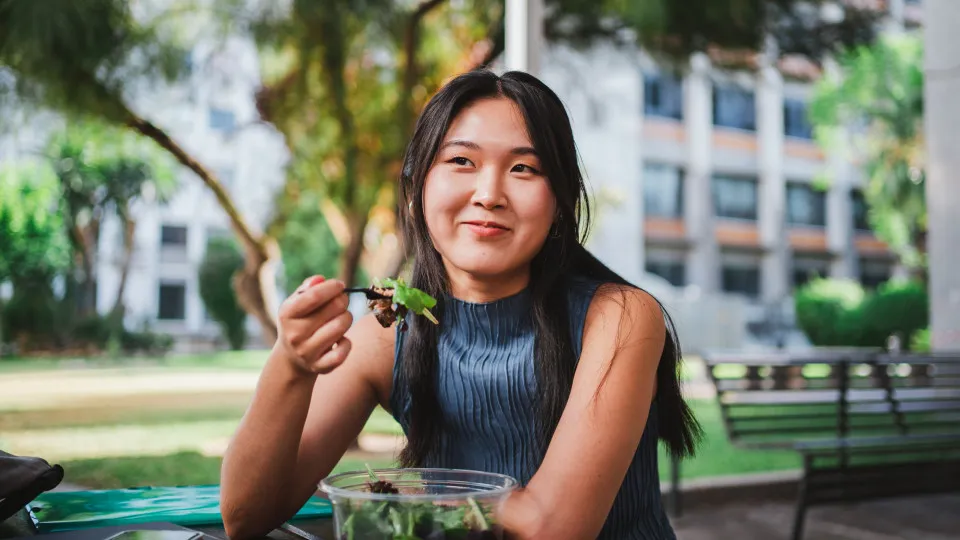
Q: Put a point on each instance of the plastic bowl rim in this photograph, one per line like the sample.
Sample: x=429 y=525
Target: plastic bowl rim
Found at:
x=333 y=491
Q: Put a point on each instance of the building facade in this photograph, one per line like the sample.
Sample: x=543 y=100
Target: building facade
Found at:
x=716 y=182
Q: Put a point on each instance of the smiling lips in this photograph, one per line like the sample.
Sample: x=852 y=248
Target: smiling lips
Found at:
x=486 y=229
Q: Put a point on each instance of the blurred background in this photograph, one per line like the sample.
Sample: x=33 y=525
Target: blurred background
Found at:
x=778 y=172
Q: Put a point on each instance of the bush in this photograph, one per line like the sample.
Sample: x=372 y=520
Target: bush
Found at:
x=825 y=309
x=921 y=341
x=838 y=313
x=221 y=261
x=145 y=341
x=900 y=308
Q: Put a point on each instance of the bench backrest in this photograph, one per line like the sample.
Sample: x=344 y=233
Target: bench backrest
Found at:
x=771 y=400
x=925 y=391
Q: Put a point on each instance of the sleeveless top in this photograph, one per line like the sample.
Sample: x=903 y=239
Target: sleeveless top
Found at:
x=487 y=392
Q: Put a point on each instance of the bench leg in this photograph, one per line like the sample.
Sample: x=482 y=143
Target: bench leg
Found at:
x=801 y=510
x=675 y=495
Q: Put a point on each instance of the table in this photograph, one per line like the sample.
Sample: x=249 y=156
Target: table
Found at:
x=308 y=529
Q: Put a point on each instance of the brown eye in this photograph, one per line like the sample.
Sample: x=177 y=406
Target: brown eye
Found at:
x=461 y=161
x=521 y=168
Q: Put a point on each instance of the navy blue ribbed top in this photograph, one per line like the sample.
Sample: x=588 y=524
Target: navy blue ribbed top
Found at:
x=487 y=394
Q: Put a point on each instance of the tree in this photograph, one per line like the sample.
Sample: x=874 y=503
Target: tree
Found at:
x=87 y=59
x=344 y=79
x=223 y=258
x=874 y=107
x=33 y=247
x=102 y=171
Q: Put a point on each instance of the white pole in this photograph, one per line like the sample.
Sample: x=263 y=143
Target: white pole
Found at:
x=524 y=35
x=942 y=86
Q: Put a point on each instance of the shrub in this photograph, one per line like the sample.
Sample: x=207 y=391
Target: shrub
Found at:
x=897 y=307
x=221 y=261
x=838 y=313
x=825 y=309
x=921 y=341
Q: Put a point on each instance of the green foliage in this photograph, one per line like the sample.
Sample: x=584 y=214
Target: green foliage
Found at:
x=104 y=168
x=33 y=244
x=307 y=243
x=412 y=298
x=900 y=308
x=873 y=111
x=824 y=309
x=921 y=341
x=839 y=313
x=81 y=57
x=220 y=263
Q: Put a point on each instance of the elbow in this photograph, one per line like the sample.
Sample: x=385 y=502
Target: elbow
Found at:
x=524 y=517
x=241 y=522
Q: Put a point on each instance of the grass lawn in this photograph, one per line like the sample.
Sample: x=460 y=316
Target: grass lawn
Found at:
x=180 y=469
x=115 y=423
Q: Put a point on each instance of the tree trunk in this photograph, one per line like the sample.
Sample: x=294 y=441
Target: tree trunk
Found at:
x=350 y=257
x=254 y=285
x=129 y=228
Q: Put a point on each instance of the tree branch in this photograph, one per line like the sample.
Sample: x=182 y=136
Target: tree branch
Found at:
x=411 y=40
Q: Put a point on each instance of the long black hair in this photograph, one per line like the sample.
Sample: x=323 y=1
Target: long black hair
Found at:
x=562 y=255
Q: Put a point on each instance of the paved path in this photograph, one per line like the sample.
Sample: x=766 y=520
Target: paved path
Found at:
x=926 y=518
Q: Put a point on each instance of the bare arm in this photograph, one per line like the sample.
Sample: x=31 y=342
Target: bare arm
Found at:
x=311 y=401
x=601 y=424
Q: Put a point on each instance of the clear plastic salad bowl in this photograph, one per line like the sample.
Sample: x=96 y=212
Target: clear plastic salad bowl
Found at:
x=432 y=504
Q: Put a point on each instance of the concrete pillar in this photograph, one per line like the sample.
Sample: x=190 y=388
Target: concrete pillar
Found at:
x=942 y=46
x=775 y=269
x=524 y=35
x=703 y=263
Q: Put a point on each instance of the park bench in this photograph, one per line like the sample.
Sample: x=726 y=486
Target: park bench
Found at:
x=867 y=424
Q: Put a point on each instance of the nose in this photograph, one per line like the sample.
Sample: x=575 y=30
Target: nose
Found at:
x=488 y=192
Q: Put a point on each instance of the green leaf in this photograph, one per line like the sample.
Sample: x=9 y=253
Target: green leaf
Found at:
x=412 y=298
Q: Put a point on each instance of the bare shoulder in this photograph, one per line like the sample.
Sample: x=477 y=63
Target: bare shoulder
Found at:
x=373 y=353
x=621 y=316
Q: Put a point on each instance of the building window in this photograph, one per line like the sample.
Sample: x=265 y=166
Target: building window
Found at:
x=734 y=107
x=662 y=191
x=663 y=95
x=743 y=280
x=673 y=271
x=874 y=273
x=173 y=236
x=859 y=211
x=222 y=120
x=809 y=268
x=173 y=302
x=796 y=123
x=806 y=205
x=735 y=198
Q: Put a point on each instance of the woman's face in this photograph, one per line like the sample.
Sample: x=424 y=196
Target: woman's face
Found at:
x=488 y=207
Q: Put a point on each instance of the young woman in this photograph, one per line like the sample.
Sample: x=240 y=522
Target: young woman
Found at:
x=546 y=365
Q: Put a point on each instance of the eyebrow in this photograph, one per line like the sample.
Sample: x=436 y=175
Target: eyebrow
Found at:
x=518 y=151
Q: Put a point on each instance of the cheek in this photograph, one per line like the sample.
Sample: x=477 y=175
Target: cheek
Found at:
x=536 y=207
x=440 y=200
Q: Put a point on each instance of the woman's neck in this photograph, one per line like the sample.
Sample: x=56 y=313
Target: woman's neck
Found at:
x=484 y=289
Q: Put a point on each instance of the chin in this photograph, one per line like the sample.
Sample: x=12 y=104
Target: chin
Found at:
x=485 y=266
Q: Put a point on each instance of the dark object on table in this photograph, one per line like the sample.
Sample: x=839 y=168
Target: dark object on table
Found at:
x=144 y=531
x=22 y=479
x=381 y=486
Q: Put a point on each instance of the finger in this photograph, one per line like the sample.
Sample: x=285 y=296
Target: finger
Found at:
x=334 y=357
x=325 y=336
x=309 y=282
x=329 y=311
x=314 y=297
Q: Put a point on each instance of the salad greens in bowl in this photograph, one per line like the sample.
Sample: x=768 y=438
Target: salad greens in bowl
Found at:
x=411 y=504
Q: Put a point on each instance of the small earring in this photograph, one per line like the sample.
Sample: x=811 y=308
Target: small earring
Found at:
x=410 y=206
